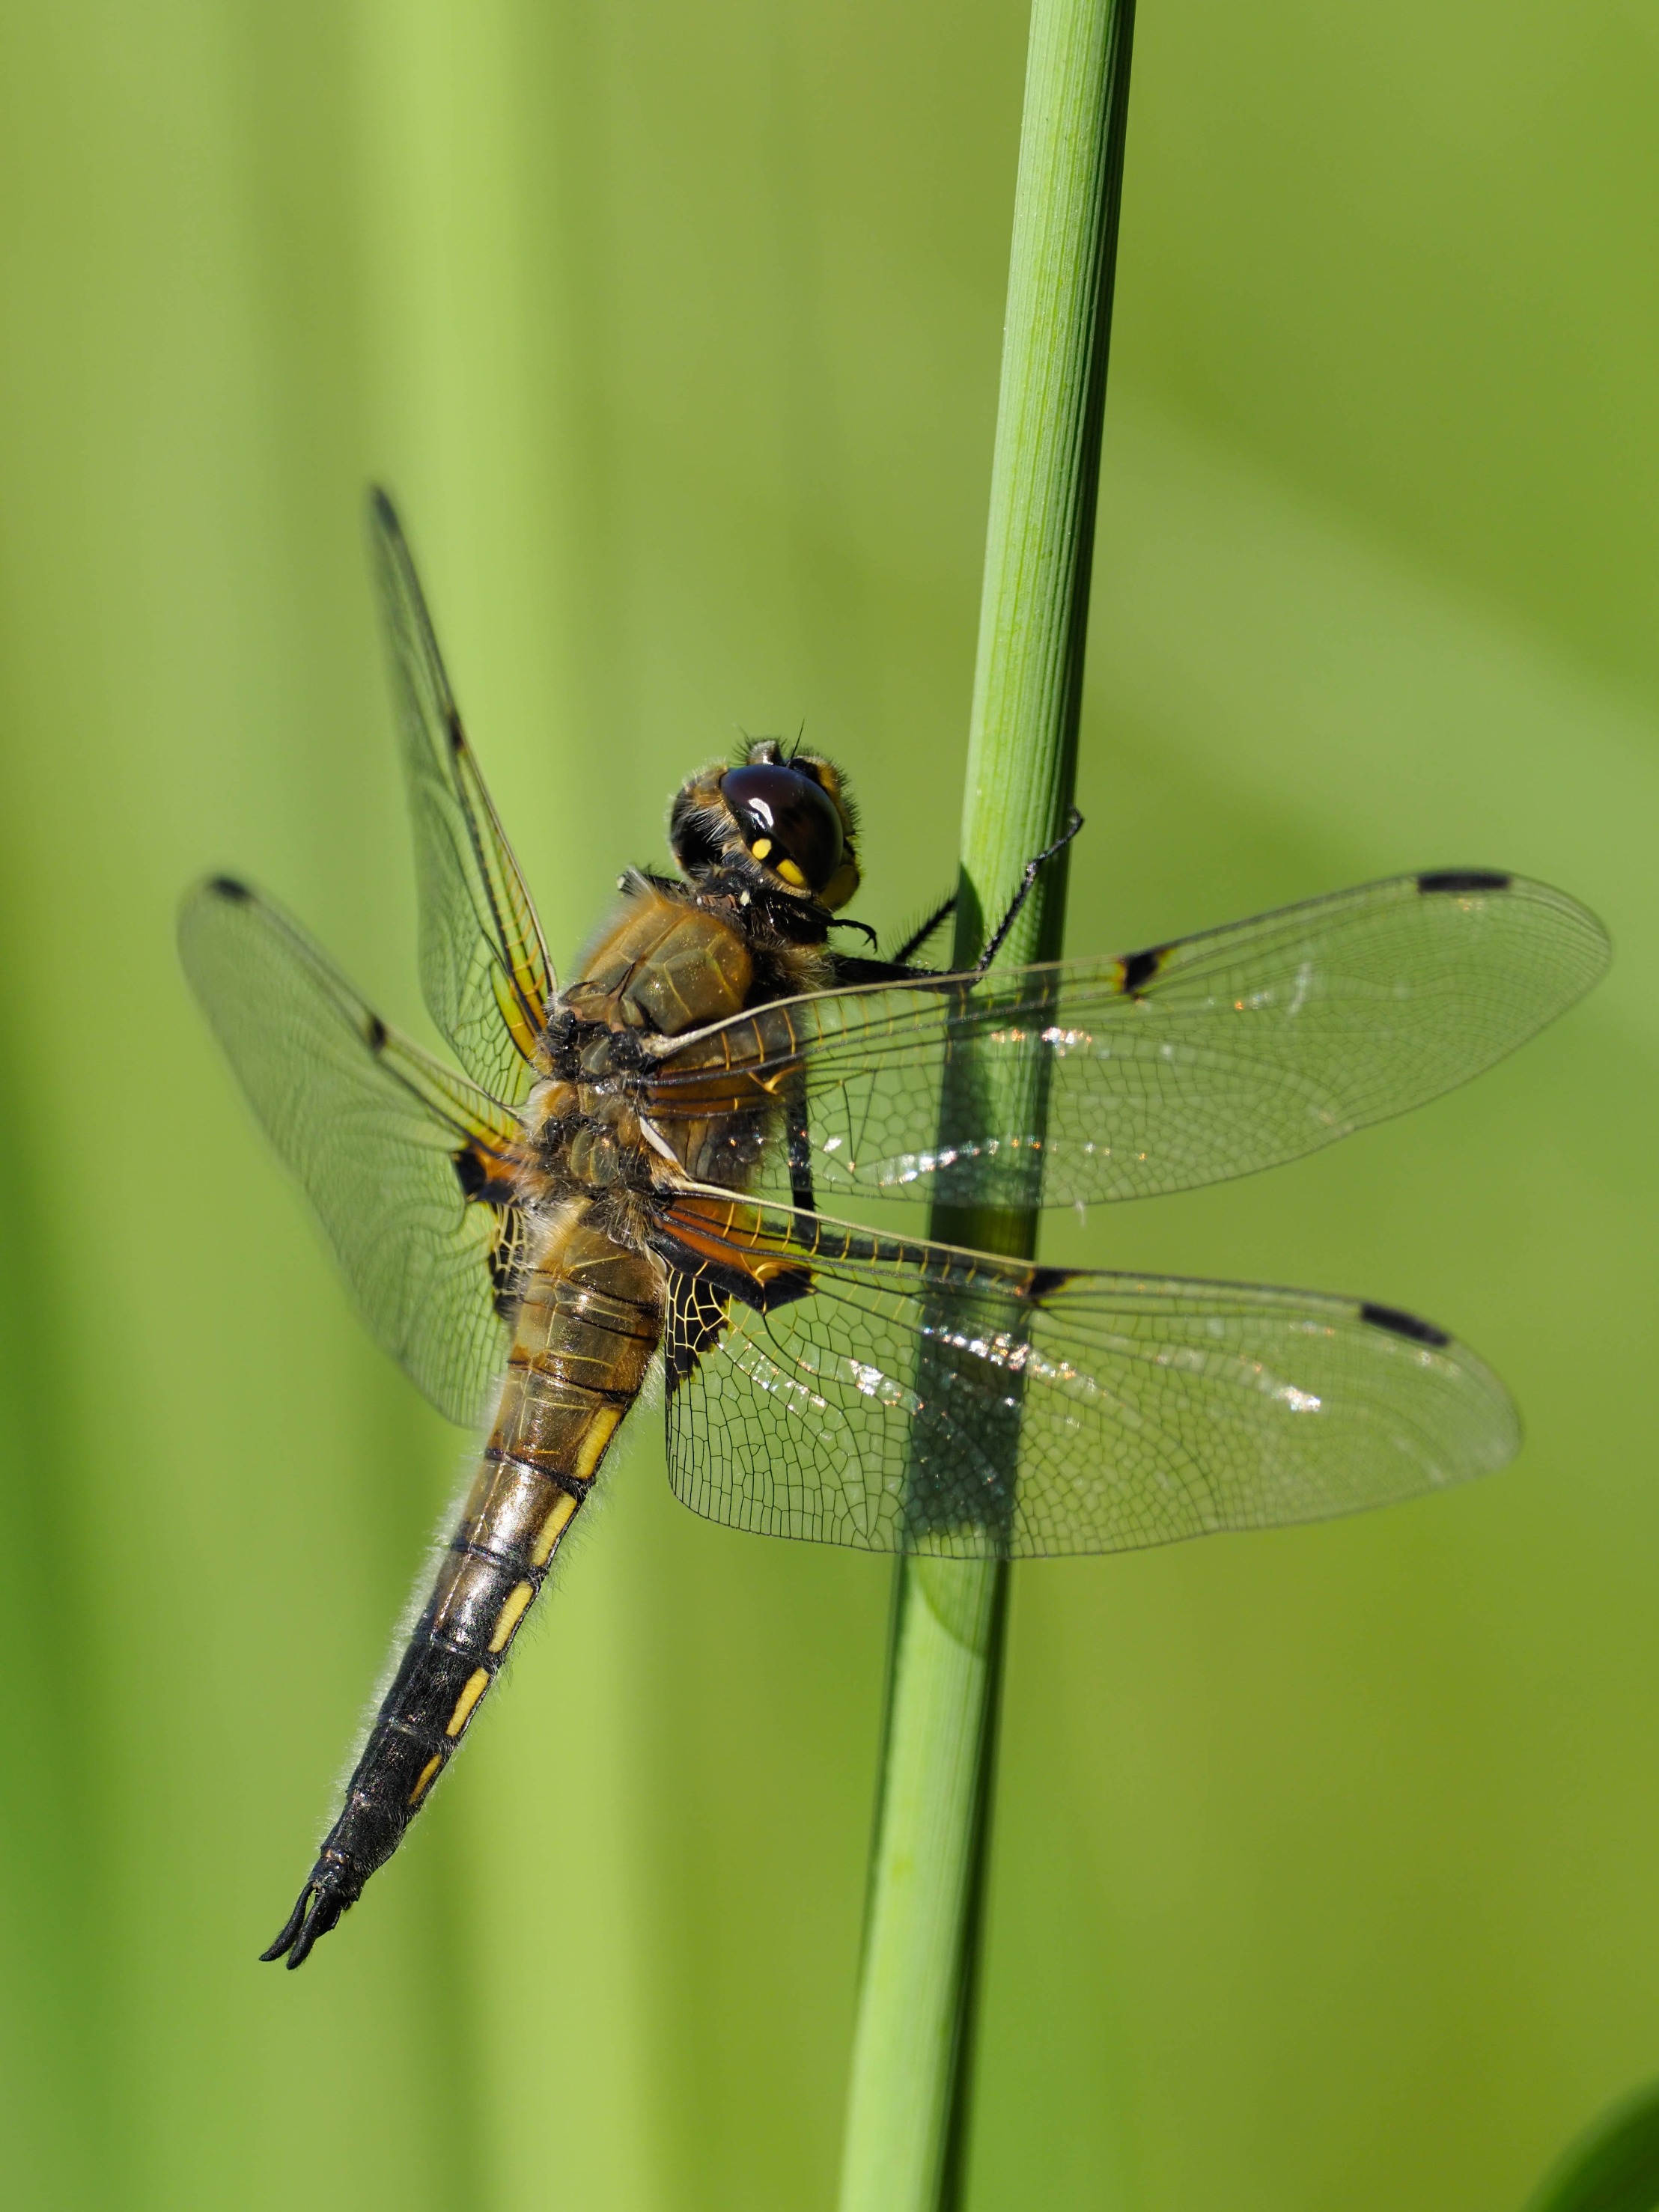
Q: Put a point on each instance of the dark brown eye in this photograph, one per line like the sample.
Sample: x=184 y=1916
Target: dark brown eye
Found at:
x=787 y=822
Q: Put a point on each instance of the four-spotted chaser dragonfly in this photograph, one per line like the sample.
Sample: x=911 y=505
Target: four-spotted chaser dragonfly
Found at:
x=647 y=1164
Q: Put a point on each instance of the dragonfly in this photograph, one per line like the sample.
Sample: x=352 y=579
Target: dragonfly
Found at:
x=670 y=1162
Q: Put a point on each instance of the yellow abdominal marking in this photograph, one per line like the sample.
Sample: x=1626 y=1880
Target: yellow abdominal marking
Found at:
x=552 y=1529
x=591 y=1451
x=791 y=874
x=426 y=1775
x=761 y=847
x=477 y=1684
x=511 y=1614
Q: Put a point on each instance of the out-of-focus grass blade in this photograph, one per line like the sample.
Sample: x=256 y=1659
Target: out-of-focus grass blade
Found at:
x=1614 y=2166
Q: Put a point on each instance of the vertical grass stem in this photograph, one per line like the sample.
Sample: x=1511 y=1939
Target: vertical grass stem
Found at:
x=907 y=2115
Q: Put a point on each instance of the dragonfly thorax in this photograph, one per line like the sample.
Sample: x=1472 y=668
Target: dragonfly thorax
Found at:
x=584 y=1135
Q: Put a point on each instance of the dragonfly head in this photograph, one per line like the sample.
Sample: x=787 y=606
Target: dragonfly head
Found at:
x=784 y=827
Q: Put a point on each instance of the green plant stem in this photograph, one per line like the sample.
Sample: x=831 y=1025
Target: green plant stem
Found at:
x=1614 y=2166
x=905 y=2127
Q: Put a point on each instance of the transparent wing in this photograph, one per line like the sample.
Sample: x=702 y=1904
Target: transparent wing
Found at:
x=828 y=1384
x=1183 y=1064
x=488 y=980
x=407 y=1166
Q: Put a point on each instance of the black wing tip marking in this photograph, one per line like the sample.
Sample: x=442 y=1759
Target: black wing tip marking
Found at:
x=1045 y=1280
x=1456 y=880
x=376 y=1035
x=230 y=889
x=1411 y=1326
x=384 y=512
x=318 y=1911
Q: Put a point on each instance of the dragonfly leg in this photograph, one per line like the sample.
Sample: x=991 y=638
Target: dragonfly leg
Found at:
x=1033 y=869
x=798 y=1136
x=918 y=937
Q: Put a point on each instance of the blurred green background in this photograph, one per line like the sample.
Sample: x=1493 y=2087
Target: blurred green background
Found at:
x=1328 y=1862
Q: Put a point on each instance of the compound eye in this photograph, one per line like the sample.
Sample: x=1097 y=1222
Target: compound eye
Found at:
x=788 y=823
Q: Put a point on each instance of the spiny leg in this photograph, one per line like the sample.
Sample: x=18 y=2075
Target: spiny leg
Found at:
x=918 y=937
x=1033 y=869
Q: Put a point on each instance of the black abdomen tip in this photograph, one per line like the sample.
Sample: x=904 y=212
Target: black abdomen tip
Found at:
x=1398 y=1323
x=1464 y=879
x=318 y=1911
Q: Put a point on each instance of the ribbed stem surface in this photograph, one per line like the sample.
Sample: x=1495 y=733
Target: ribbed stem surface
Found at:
x=906 y=2116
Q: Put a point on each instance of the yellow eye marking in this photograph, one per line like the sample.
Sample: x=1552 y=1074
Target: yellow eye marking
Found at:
x=842 y=885
x=511 y=1614
x=477 y=1684
x=600 y=1429
x=791 y=874
x=426 y=1775
x=761 y=847
x=552 y=1529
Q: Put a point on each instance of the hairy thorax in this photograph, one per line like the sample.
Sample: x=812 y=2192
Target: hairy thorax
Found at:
x=670 y=962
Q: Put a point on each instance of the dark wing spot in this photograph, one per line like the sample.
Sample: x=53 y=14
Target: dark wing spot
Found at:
x=1405 y=1324
x=1042 y=1280
x=483 y=1180
x=470 y=1172
x=483 y=1174
x=761 y=1295
x=376 y=1034
x=457 y=734
x=227 y=887
x=1464 y=879
x=1139 y=968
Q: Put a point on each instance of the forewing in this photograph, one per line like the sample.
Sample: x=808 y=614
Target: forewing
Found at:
x=828 y=1384
x=1179 y=1065
x=406 y=1164
x=488 y=980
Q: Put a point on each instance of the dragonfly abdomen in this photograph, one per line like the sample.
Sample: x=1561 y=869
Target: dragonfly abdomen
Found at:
x=586 y=1328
